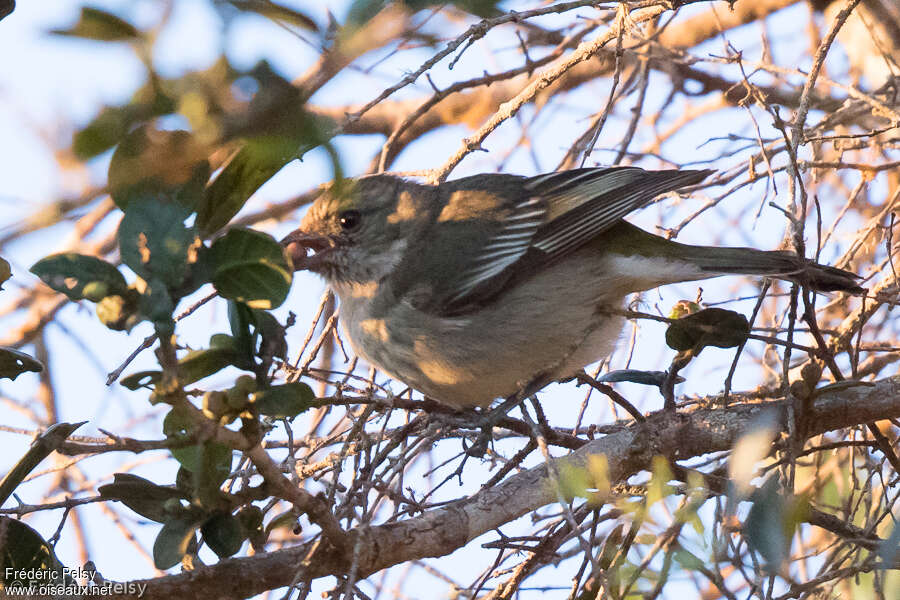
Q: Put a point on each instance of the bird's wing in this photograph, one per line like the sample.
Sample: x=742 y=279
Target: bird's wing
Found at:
x=586 y=202
x=547 y=218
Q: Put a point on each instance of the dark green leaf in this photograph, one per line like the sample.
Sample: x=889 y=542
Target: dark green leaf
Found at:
x=22 y=549
x=767 y=523
x=193 y=367
x=240 y=316
x=251 y=267
x=214 y=466
x=276 y=12
x=251 y=167
x=141 y=379
x=157 y=305
x=113 y=125
x=479 y=8
x=119 y=313
x=184 y=480
x=688 y=561
x=43 y=446
x=272 y=334
x=154 y=241
x=178 y=426
x=202 y=363
x=103 y=132
x=288 y=400
x=363 y=11
x=277 y=129
x=889 y=551
x=709 y=327
x=96 y=24
x=223 y=534
x=141 y=495
x=13 y=363
x=251 y=518
x=222 y=341
x=159 y=163
x=79 y=276
x=172 y=541
x=209 y=462
x=287 y=520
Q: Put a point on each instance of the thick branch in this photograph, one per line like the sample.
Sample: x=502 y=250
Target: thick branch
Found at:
x=441 y=531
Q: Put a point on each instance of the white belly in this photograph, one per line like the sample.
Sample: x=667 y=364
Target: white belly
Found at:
x=547 y=327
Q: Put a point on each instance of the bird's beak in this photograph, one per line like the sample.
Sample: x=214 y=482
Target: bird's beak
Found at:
x=307 y=250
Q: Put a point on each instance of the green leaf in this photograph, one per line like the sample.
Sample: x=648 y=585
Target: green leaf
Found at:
x=154 y=241
x=13 y=363
x=267 y=338
x=688 y=561
x=193 y=367
x=23 y=550
x=363 y=11
x=159 y=163
x=119 y=312
x=214 y=467
x=284 y=401
x=240 y=317
x=276 y=12
x=177 y=426
x=889 y=550
x=772 y=520
x=223 y=534
x=172 y=541
x=96 y=24
x=202 y=363
x=277 y=129
x=251 y=267
x=141 y=495
x=209 y=462
x=141 y=379
x=286 y=520
x=79 y=276
x=709 y=327
x=271 y=333
x=112 y=126
x=222 y=341
x=251 y=518
x=479 y=8
x=251 y=167
x=157 y=305
x=43 y=446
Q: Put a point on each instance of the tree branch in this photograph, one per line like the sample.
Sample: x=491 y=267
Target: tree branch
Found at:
x=443 y=530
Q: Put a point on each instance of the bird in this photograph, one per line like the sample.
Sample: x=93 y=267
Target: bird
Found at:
x=483 y=287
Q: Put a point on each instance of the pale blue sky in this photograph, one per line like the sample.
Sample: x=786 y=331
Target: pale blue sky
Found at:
x=48 y=84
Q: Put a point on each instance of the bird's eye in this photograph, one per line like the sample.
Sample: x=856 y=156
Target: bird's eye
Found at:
x=350 y=220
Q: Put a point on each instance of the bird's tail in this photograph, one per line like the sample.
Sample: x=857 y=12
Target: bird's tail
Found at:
x=710 y=261
x=777 y=263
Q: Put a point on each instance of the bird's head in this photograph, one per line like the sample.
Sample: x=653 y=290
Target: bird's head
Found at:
x=358 y=229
